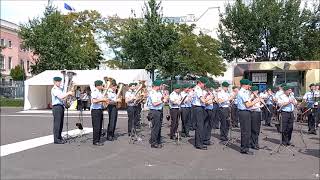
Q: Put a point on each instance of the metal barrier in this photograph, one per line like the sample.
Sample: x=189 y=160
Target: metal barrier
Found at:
x=12 y=89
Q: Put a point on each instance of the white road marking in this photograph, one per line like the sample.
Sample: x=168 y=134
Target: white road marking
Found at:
x=36 y=142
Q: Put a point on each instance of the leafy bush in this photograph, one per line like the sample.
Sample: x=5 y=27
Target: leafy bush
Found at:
x=6 y=102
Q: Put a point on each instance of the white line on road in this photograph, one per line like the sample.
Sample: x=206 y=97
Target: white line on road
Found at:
x=36 y=142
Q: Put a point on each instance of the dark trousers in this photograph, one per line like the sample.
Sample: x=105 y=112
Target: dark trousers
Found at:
x=208 y=124
x=84 y=105
x=269 y=114
x=113 y=116
x=132 y=116
x=97 y=116
x=79 y=104
x=245 y=127
x=255 y=128
x=200 y=116
x=286 y=126
x=234 y=115
x=186 y=119
x=175 y=115
x=216 y=119
x=224 y=122
x=311 y=119
x=138 y=114
x=156 y=126
x=58 y=116
x=193 y=118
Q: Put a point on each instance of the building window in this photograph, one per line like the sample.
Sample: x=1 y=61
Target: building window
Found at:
x=1 y=62
x=22 y=64
x=9 y=63
x=9 y=44
x=28 y=66
x=2 y=42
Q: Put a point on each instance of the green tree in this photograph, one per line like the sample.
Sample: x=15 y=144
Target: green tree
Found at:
x=61 y=42
x=264 y=30
x=17 y=73
x=151 y=43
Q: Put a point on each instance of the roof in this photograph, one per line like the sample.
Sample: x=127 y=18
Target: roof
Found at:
x=87 y=77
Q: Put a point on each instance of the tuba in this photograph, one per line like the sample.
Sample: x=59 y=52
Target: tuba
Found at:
x=68 y=86
x=107 y=82
x=139 y=94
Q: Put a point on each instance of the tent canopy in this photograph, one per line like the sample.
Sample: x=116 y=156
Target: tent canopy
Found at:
x=37 y=89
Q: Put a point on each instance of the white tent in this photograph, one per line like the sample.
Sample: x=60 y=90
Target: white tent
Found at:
x=37 y=93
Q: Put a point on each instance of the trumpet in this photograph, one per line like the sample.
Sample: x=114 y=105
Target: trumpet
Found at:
x=263 y=103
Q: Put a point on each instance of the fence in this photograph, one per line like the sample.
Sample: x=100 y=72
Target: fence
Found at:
x=12 y=89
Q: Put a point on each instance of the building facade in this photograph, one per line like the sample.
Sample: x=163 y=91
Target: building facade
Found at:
x=12 y=51
x=298 y=74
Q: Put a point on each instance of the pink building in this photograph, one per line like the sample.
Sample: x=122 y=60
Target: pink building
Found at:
x=12 y=52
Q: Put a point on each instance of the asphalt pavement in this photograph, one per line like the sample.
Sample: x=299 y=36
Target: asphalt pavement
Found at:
x=79 y=159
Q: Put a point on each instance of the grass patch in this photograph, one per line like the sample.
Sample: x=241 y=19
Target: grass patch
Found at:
x=6 y=102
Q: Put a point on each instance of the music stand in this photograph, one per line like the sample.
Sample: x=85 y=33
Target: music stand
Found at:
x=67 y=137
x=82 y=133
x=231 y=139
x=278 y=147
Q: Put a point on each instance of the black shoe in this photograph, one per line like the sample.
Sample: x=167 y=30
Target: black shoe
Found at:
x=269 y=125
x=155 y=146
x=256 y=147
x=129 y=134
x=202 y=148
x=171 y=137
x=98 y=144
x=59 y=142
x=246 y=152
x=160 y=146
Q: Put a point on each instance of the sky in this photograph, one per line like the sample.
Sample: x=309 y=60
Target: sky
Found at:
x=20 y=11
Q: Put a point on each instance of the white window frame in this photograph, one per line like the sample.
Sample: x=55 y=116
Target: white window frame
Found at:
x=3 y=42
x=9 y=44
x=4 y=62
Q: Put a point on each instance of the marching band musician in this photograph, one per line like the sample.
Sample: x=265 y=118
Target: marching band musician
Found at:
x=155 y=103
x=186 y=97
x=224 y=98
x=174 y=104
x=211 y=107
x=309 y=98
x=198 y=105
x=192 y=111
x=234 y=108
x=132 y=109
x=57 y=97
x=216 y=120
x=112 y=110
x=97 y=112
x=286 y=102
x=255 y=118
x=269 y=103
x=244 y=103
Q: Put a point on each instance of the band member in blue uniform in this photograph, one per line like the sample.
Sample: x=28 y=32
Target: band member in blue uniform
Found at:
x=244 y=103
x=174 y=103
x=132 y=109
x=57 y=97
x=269 y=102
x=112 y=110
x=286 y=102
x=155 y=104
x=255 y=118
x=224 y=98
x=186 y=99
x=310 y=99
x=97 y=112
x=198 y=104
